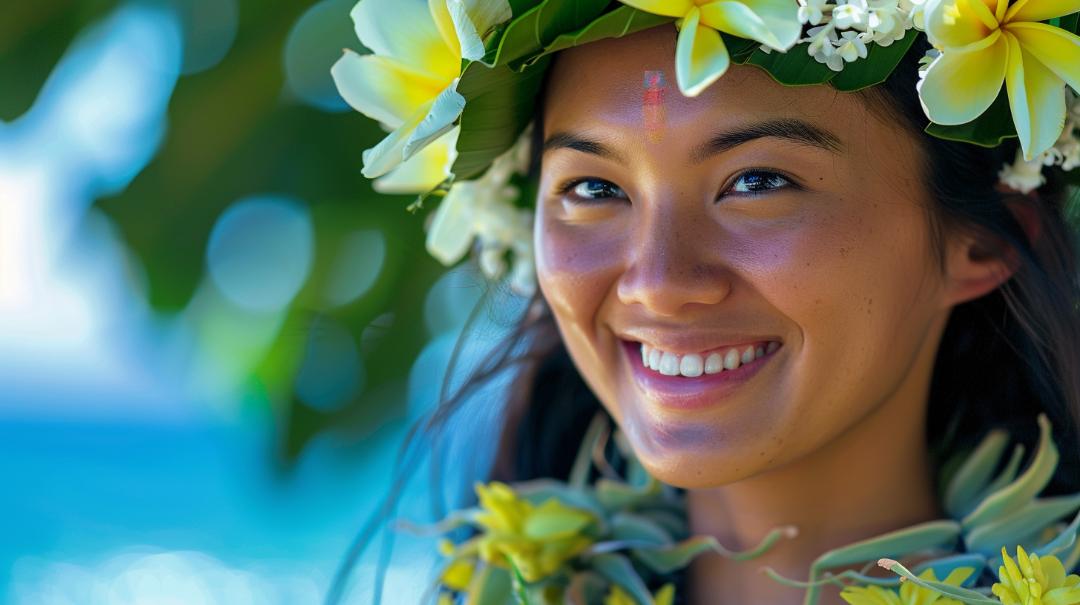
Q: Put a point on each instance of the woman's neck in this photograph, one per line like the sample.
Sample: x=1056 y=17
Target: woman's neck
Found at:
x=874 y=478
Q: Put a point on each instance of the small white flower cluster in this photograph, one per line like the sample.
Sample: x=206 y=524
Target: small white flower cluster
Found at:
x=483 y=210
x=1026 y=176
x=841 y=29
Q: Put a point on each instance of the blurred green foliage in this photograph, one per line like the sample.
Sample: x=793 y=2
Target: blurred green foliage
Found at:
x=236 y=130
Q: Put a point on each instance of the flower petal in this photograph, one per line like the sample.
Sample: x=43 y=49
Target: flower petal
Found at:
x=439 y=119
x=952 y=24
x=382 y=88
x=425 y=170
x=405 y=30
x=700 y=55
x=472 y=19
x=387 y=154
x=1054 y=47
x=1036 y=98
x=667 y=8
x=771 y=22
x=1040 y=10
x=451 y=231
x=441 y=14
x=960 y=86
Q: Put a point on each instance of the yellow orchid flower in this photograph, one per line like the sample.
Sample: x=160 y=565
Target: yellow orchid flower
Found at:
x=700 y=54
x=1035 y=580
x=538 y=540
x=409 y=81
x=618 y=596
x=910 y=593
x=986 y=42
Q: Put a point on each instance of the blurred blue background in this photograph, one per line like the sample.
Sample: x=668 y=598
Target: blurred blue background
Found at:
x=213 y=334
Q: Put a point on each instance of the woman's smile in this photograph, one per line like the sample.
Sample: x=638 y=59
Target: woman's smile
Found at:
x=696 y=380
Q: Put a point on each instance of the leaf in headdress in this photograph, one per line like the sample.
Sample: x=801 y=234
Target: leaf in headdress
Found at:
x=988 y=130
x=876 y=66
x=792 y=68
x=535 y=28
x=499 y=103
x=616 y=24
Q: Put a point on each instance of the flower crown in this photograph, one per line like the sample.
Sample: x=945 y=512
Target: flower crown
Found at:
x=455 y=83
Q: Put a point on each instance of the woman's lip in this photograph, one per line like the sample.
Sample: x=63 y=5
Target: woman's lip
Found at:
x=682 y=393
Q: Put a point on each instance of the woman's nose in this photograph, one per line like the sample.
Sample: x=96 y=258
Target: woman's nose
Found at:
x=676 y=266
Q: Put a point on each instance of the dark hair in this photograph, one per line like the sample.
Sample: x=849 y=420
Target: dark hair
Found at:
x=1003 y=358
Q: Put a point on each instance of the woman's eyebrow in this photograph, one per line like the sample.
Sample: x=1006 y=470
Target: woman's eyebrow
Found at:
x=785 y=128
x=791 y=129
x=567 y=140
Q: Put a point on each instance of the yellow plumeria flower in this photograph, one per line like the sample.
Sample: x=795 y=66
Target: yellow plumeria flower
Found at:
x=985 y=42
x=538 y=540
x=910 y=593
x=1035 y=580
x=618 y=596
x=700 y=54
x=409 y=81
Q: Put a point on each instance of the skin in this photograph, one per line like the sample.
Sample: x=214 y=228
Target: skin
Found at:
x=834 y=262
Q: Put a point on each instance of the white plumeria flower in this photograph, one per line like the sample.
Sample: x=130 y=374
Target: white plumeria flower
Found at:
x=1022 y=175
x=851 y=46
x=853 y=14
x=812 y=11
x=409 y=82
x=483 y=210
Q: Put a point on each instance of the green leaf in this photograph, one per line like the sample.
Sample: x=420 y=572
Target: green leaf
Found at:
x=579 y=473
x=972 y=477
x=1022 y=491
x=615 y=24
x=538 y=26
x=792 y=68
x=618 y=570
x=499 y=103
x=490 y=585
x=521 y=596
x=628 y=526
x=988 y=130
x=956 y=592
x=665 y=559
x=876 y=67
x=896 y=543
x=1030 y=519
x=618 y=495
x=1065 y=539
x=945 y=565
x=586 y=587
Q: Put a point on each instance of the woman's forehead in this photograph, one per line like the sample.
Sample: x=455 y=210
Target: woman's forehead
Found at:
x=629 y=84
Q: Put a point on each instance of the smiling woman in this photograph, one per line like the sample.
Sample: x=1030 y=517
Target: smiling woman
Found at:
x=807 y=315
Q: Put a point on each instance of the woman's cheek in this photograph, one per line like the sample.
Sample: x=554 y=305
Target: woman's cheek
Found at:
x=577 y=264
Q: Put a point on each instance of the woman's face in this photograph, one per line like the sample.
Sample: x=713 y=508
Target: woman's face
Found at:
x=787 y=222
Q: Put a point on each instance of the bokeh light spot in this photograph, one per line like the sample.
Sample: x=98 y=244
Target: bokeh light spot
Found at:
x=452 y=299
x=313 y=45
x=260 y=252
x=356 y=268
x=210 y=28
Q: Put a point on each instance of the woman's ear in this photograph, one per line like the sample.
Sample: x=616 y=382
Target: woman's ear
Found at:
x=976 y=264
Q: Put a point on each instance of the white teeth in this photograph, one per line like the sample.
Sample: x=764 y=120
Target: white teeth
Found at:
x=731 y=360
x=691 y=365
x=669 y=364
x=714 y=363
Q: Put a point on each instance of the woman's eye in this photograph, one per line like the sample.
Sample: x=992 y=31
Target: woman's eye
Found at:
x=758 y=181
x=587 y=190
